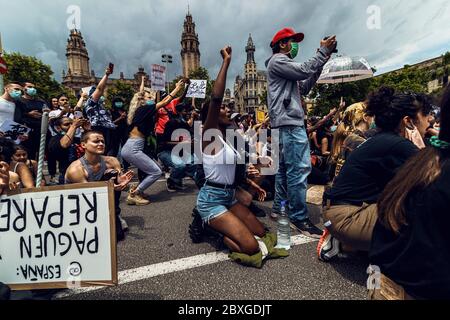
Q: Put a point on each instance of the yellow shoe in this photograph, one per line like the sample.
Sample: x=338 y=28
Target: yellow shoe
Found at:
x=136 y=200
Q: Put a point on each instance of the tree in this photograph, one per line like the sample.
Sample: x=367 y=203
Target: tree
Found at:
x=22 y=68
x=411 y=79
x=198 y=74
x=120 y=89
x=263 y=98
x=328 y=96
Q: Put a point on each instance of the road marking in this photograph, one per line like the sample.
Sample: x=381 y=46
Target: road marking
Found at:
x=154 y=270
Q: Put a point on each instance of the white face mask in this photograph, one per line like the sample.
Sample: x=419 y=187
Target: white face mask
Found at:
x=415 y=137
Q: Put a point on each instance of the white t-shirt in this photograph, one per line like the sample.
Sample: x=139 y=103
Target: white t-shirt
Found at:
x=7 y=109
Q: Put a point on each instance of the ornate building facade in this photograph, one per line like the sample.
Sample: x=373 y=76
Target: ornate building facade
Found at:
x=190 y=47
x=79 y=75
x=249 y=89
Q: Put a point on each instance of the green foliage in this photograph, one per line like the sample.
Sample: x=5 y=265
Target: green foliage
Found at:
x=22 y=68
x=198 y=74
x=263 y=98
x=120 y=89
x=328 y=96
x=408 y=79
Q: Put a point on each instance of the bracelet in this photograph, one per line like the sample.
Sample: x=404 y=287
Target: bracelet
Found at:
x=66 y=135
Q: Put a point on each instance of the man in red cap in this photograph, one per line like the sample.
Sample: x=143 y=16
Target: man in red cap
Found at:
x=288 y=80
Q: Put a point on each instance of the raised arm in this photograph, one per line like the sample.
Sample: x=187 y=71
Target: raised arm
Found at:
x=80 y=103
x=171 y=96
x=142 y=87
x=101 y=86
x=212 y=120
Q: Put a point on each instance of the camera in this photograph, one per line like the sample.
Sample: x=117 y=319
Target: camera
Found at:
x=335 y=48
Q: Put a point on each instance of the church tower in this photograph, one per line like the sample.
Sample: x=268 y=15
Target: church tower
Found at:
x=78 y=74
x=251 y=74
x=190 y=51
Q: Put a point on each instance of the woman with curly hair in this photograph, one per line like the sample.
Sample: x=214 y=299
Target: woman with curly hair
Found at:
x=411 y=242
x=351 y=210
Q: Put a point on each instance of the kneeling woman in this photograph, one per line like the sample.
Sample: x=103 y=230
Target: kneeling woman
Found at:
x=140 y=120
x=243 y=234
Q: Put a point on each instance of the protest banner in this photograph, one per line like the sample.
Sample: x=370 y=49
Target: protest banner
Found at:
x=197 y=89
x=158 y=77
x=58 y=237
x=86 y=90
x=14 y=131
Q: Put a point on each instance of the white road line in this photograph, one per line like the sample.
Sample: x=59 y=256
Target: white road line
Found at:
x=154 y=270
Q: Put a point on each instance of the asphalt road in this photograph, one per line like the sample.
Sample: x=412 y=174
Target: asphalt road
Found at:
x=158 y=239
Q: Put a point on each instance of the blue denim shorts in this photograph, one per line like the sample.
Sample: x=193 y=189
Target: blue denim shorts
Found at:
x=214 y=202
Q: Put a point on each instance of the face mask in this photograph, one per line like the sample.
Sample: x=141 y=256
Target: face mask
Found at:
x=150 y=103
x=31 y=92
x=119 y=104
x=333 y=128
x=294 y=50
x=15 y=94
x=373 y=125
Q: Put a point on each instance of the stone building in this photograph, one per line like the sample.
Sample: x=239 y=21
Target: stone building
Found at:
x=249 y=89
x=79 y=75
x=190 y=47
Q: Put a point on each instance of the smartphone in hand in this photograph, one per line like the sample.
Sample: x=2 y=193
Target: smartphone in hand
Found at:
x=78 y=114
x=111 y=67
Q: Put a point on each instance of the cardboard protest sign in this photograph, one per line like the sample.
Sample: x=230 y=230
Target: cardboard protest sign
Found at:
x=86 y=89
x=260 y=116
x=58 y=237
x=14 y=131
x=158 y=77
x=197 y=89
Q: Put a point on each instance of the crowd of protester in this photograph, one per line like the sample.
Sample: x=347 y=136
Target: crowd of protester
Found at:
x=364 y=154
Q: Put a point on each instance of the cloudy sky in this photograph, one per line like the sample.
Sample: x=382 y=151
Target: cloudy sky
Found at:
x=134 y=33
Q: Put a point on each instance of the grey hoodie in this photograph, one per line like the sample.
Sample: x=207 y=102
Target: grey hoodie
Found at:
x=287 y=80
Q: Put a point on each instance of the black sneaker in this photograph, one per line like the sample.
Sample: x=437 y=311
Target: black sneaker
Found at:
x=172 y=186
x=257 y=211
x=307 y=228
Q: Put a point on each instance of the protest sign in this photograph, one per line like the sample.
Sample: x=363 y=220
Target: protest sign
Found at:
x=58 y=237
x=86 y=89
x=14 y=131
x=197 y=89
x=158 y=77
x=260 y=116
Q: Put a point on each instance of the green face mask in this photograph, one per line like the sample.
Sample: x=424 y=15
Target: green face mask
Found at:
x=294 y=50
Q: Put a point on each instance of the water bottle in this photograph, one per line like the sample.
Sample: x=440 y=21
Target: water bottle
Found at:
x=284 y=229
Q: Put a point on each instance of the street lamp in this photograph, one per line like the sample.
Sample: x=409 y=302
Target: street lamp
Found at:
x=167 y=58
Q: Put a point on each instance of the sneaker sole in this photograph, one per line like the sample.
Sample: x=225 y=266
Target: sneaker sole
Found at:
x=137 y=204
x=333 y=253
x=306 y=233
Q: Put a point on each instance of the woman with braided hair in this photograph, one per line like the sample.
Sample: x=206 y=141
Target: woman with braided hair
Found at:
x=350 y=133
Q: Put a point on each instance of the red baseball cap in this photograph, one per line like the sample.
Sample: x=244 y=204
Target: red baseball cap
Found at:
x=287 y=33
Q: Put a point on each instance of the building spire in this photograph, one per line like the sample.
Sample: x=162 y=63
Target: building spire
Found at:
x=250 y=49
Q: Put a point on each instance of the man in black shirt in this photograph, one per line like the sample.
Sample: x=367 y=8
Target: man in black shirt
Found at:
x=61 y=147
x=180 y=168
x=31 y=109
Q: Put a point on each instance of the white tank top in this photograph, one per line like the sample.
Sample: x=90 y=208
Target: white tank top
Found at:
x=221 y=167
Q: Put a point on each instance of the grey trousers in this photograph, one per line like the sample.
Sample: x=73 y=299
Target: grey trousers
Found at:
x=133 y=153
